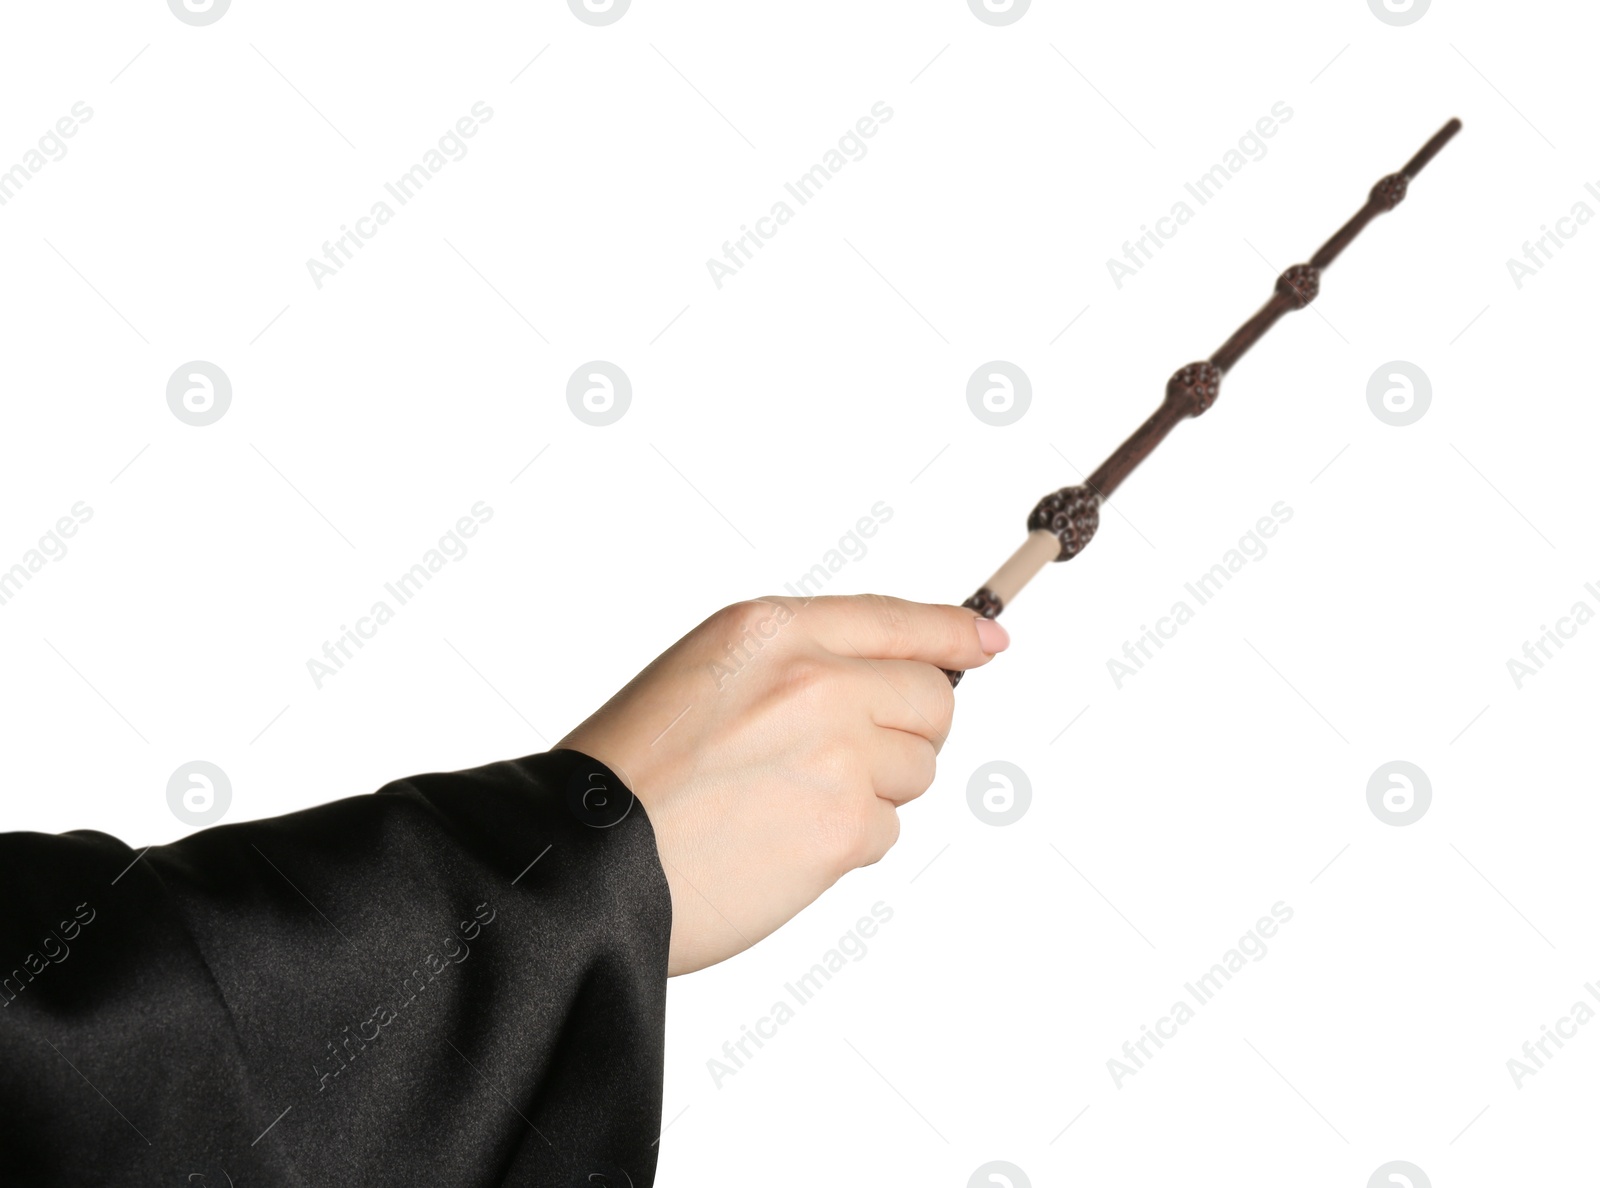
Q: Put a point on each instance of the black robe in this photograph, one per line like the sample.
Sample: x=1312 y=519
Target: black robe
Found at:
x=458 y=980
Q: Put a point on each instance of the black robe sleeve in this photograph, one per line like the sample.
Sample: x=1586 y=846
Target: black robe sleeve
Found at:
x=459 y=980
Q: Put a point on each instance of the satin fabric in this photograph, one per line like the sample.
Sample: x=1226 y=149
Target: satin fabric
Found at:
x=457 y=980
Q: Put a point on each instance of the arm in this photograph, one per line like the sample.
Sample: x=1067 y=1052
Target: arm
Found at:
x=462 y=973
x=462 y=978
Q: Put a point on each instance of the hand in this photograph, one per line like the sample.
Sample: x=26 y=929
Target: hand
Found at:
x=772 y=745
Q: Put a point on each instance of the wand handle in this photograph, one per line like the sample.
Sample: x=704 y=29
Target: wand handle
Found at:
x=1065 y=521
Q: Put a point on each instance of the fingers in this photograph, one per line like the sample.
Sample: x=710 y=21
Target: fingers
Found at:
x=907 y=695
x=901 y=766
x=882 y=832
x=876 y=626
x=910 y=705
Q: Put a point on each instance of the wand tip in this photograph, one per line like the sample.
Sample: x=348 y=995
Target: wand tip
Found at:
x=1427 y=151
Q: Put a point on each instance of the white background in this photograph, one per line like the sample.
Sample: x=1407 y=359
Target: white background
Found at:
x=1167 y=815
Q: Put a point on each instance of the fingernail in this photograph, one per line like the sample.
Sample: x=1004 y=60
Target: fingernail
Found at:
x=992 y=637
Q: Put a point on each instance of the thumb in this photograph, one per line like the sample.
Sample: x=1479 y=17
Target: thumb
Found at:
x=879 y=627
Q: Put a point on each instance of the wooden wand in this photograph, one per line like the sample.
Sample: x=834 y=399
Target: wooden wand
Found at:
x=1064 y=522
